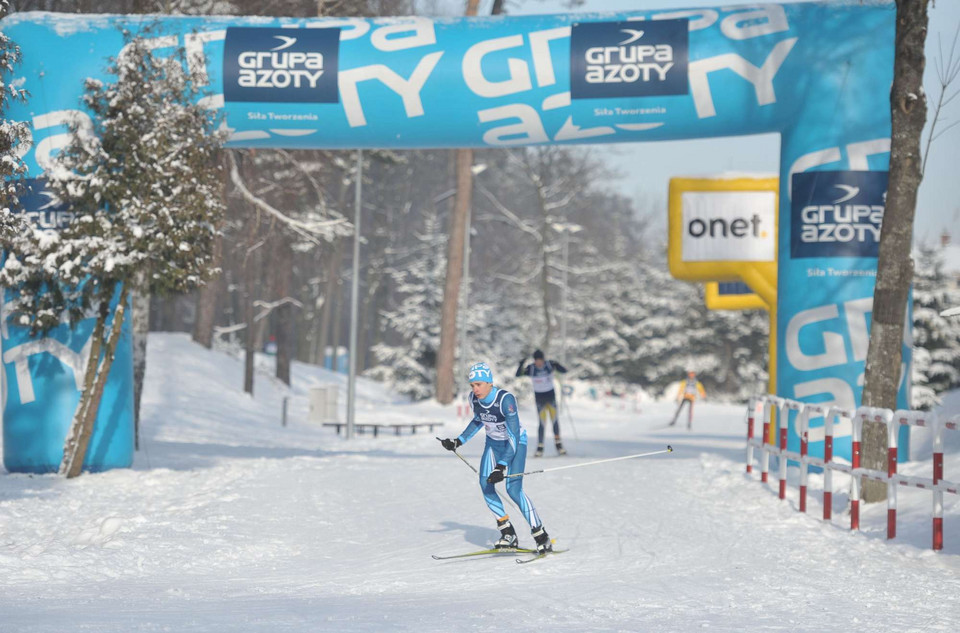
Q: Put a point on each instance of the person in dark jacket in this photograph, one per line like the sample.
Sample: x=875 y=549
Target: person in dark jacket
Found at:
x=541 y=373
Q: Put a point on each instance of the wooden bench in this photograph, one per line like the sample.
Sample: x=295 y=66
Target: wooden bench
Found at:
x=362 y=427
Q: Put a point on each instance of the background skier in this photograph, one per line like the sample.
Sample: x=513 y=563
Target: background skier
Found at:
x=541 y=373
x=690 y=390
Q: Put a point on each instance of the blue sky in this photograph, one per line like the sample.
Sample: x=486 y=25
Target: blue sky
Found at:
x=938 y=205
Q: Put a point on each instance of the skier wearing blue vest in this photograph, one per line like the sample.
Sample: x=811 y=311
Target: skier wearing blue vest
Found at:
x=505 y=452
x=541 y=374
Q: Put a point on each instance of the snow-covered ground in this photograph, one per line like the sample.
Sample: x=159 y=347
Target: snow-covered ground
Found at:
x=230 y=522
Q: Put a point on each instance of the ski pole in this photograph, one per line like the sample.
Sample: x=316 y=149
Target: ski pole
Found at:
x=566 y=407
x=462 y=459
x=669 y=449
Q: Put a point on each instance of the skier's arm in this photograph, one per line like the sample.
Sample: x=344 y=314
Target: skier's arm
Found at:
x=703 y=393
x=560 y=368
x=509 y=408
x=471 y=429
x=520 y=369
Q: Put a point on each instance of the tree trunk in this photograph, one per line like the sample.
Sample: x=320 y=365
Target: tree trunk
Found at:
x=908 y=109
x=140 y=313
x=545 y=264
x=86 y=414
x=283 y=269
x=207 y=299
x=451 y=291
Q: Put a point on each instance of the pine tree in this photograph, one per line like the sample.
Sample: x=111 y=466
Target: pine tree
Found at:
x=409 y=366
x=12 y=134
x=145 y=192
x=937 y=366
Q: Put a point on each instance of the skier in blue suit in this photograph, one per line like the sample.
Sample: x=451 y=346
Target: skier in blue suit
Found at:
x=505 y=452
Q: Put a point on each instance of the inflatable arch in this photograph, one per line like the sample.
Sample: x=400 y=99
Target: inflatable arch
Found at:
x=818 y=74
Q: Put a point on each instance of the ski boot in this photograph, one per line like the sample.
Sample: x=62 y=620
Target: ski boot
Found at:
x=508 y=536
x=539 y=452
x=560 y=449
x=544 y=546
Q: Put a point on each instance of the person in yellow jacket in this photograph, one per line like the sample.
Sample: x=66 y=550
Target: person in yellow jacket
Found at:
x=690 y=390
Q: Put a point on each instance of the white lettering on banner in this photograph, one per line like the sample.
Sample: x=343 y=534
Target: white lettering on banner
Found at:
x=570 y=131
x=401 y=34
x=628 y=64
x=761 y=78
x=857 y=158
x=153 y=43
x=841 y=396
x=528 y=131
x=728 y=226
x=266 y=69
x=407 y=89
x=20 y=354
x=763 y=20
x=540 y=48
x=833 y=353
x=699 y=19
x=519 y=80
x=859 y=153
x=196 y=59
x=518 y=69
x=856 y=312
x=350 y=28
x=46 y=147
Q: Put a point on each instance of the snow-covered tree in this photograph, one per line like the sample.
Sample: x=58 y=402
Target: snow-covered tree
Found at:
x=12 y=133
x=935 y=338
x=146 y=195
x=409 y=365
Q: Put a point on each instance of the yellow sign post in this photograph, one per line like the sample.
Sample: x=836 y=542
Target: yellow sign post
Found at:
x=725 y=229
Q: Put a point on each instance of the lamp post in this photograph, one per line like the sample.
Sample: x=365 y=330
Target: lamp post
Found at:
x=355 y=289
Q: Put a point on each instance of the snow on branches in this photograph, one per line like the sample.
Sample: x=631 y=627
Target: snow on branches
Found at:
x=144 y=190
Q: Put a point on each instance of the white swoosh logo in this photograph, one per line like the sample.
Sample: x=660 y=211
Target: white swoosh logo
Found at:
x=287 y=42
x=634 y=36
x=851 y=193
x=51 y=200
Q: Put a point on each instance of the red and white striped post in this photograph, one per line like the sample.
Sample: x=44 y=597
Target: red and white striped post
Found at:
x=828 y=418
x=782 y=421
x=802 y=421
x=892 y=428
x=855 y=479
x=764 y=454
x=751 y=414
x=937 y=477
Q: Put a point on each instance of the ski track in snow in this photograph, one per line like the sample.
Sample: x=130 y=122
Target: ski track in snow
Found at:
x=228 y=522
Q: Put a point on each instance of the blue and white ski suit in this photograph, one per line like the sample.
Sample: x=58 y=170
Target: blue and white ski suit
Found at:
x=506 y=444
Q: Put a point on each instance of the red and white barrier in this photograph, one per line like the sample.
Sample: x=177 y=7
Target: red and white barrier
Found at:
x=892 y=420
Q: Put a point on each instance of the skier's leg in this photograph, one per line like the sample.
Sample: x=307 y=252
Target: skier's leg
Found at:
x=487 y=463
x=690 y=416
x=554 y=412
x=542 y=415
x=515 y=484
x=677 y=414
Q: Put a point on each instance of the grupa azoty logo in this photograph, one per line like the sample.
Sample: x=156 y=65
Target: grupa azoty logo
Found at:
x=837 y=214
x=271 y=65
x=619 y=59
x=729 y=226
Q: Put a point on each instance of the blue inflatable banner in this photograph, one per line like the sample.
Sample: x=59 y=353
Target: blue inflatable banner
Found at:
x=818 y=74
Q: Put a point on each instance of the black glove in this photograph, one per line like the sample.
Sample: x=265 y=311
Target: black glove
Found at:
x=497 y=475
x=451 y=445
